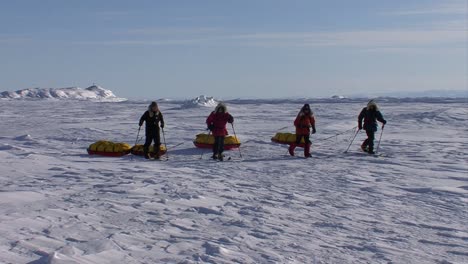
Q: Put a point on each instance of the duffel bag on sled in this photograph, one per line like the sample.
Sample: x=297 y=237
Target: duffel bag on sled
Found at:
x=109 y=149
x=287 y=139
x=207 y=141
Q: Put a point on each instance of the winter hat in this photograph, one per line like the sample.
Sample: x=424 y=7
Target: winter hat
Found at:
x=150 y=108
x=306 y=107
x=221 y=107
x=371 y=104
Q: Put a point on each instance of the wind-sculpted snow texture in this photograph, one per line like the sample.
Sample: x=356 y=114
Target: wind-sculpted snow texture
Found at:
x=59 y=205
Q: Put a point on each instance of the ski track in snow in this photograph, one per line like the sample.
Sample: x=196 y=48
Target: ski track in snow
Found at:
x=59 y=205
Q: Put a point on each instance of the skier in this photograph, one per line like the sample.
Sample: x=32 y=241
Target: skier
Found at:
x=304 y=121
x=153 y=119
x=370 y=114
x=216 y=122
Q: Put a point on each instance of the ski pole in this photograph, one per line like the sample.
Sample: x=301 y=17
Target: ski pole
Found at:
x=357 y=132
x=380 y=139
x=138 y=135
x=136 y=140
x=165 y=145
x=233 y=130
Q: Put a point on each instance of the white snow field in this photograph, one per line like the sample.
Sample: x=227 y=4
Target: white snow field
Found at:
x=59 y=205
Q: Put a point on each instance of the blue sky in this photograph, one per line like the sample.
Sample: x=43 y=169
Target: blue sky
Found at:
x=244 y=48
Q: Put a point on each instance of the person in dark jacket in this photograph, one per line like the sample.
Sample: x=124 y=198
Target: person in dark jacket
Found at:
x=154 y=120
x=216 y=122
x=304 y=121
x=370 y=115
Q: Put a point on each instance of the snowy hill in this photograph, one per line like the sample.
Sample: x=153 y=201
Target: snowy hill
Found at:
x=73 y=93
x=338 y=97
x=201 y=100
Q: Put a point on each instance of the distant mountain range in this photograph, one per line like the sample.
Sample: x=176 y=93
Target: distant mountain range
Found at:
x=97 y=93
x=73 y=93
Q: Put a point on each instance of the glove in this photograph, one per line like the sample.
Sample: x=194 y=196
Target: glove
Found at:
x=210 y=127
x=314 y=130
x=360 y=126
x=162 y=125
x=384 y=122
x=140 y=124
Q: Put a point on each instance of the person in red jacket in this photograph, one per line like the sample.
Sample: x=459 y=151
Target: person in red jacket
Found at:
x=305 y=120
x=216 y=122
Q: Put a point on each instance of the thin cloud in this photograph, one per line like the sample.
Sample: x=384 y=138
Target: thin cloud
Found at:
x=398 y=39
x=111 y=15
x=417 y=50
x=450 y=8
x=376 y=38
x=454 y=24
x=169 y=31
x=165 y=42
x=197 y=18
x=13 y=39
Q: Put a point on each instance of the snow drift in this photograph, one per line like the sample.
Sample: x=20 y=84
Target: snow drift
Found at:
x=201 y=100
x=73 y=93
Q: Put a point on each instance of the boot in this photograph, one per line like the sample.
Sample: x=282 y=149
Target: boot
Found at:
x=156 y=153
x=145 y=152
x=215 y=156
x=365 y=148
x=291 y=149
x=371 y=151
x=307 y=151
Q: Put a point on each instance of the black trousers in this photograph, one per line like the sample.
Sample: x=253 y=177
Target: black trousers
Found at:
x=152 y=135
x=369 y=142
x=299 y=138
x=218 y=146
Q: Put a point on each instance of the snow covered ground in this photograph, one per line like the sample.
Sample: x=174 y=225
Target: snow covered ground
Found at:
x=59 y=205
